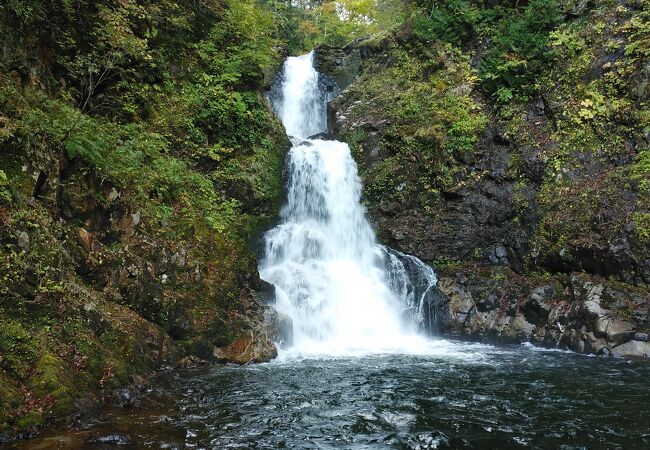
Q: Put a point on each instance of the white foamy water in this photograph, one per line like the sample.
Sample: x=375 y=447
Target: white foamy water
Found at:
x=302 y=111
x=346 y=294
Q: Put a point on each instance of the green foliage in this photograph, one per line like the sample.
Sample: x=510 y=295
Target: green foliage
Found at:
x=309 y=23
x=452 y=21
x=161 y=103
x=424 y=99
x=641 y=172
x=50 y=378
x=210 y=112
x=642 y=224
x=515 y=40
x=638 y=30
x=16 y=348
x=5 y=195
x=136 y=160
x=236 y=49
x=519 y=51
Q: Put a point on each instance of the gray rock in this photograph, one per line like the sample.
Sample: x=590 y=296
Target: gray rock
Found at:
x=578 y=346
x=463 y=89
x=520 y=328
x=592 y=310
x=460 y=300
x=23 y=241
x=594 y=292
x=604 y=351
x=615 y=329
x=594 y=344
x=399 y=235
x=487 y=304
x=539 y=300
x=636 y=349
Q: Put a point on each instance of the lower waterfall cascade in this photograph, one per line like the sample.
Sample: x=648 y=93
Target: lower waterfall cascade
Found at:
x=344 y=292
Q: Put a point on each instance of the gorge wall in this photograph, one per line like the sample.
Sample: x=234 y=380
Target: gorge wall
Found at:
x=530 y=200
x=138 y=156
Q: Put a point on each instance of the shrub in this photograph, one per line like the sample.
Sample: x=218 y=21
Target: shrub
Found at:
x=519 y=51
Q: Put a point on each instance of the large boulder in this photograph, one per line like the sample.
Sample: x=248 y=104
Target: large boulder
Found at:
x=258 y=344
x=638 y=349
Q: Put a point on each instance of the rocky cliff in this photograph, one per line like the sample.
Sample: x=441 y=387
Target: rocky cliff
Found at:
x=529 y=196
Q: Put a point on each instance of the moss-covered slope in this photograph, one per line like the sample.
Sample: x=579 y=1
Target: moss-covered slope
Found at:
x=137 y=157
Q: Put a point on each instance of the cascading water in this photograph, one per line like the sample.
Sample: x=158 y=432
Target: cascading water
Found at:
x=302 y=109
x=344 y=292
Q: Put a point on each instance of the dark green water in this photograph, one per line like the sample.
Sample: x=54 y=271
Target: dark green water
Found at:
x=459 y=396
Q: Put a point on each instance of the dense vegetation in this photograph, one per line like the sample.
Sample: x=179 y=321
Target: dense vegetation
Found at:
x=544 y=76
x=138 y=154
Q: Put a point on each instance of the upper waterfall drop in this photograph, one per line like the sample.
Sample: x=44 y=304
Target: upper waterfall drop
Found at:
x=302 y=110
x=345 y=293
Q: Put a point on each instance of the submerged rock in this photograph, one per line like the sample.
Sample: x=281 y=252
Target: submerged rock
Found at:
x=110 y=439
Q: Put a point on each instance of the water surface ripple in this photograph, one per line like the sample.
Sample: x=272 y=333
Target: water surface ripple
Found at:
x=467 y=396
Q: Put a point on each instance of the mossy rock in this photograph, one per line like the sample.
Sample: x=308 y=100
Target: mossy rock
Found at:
x=17 y=348
x=21 y=183
x=32 y=419
x=10 y=397
x=52 y=377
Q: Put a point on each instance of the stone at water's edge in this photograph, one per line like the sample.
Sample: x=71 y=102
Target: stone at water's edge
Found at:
x=587 y=316
x=258 y=344
x=247 y=350
x=632 y=348
x=426 y=304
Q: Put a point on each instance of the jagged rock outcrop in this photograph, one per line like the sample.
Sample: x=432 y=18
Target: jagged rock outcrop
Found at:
x=258 y=344
x=415 y=284
x=578 y=312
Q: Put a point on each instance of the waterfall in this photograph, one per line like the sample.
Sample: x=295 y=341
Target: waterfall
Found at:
x=302 y=109
x=344 y=292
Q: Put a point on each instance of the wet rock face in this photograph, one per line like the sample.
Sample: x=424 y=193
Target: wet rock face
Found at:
x=499 y=215
x=341 y=65
x=429 y=307
x=580 y=313
x=258 y=344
